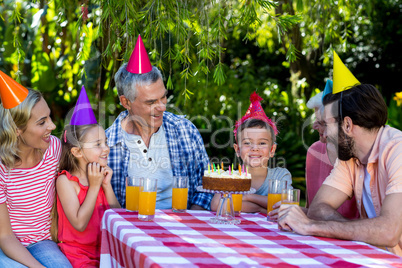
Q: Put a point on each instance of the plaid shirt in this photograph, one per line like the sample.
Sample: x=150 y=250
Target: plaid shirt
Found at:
x=187 y=156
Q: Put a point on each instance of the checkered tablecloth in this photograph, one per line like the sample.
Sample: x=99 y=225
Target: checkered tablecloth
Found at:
x=189 y=240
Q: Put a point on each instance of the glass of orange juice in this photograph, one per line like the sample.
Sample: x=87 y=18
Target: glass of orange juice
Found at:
x=275 y=188
x=147 y=200
x=237 y=203
x=179 y=193
x=291 y=196
x=132 y=193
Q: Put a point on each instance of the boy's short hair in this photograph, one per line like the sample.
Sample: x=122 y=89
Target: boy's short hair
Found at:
x=256 y=123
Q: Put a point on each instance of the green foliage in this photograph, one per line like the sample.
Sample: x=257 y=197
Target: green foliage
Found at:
x=46 y=46
x=395 y=111
x=181 y=33
x=219 y=74
x=58 y=46
x=213 y=55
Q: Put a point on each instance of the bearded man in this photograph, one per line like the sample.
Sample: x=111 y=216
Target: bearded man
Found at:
x=369 y=167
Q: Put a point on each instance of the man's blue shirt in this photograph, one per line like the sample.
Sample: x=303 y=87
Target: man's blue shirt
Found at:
x=187 y=156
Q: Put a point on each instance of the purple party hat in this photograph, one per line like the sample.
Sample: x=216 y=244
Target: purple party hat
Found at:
x=83 y=113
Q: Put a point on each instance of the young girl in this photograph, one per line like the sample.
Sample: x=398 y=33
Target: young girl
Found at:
x=255 y=136
x=84 y=192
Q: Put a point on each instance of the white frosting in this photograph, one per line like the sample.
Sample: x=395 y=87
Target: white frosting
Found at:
x=225 y=174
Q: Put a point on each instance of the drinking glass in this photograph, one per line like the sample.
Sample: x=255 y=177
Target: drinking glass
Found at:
x=132 y=193
x=237 y=203
x=275 y=188
x=291 y=196
x=147 y=201
x=179 y=193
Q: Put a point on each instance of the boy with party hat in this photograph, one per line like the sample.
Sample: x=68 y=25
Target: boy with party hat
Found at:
x=29 y=157
x=147 y=141
x=83 y=187
x=369 y=167
x=255 y=136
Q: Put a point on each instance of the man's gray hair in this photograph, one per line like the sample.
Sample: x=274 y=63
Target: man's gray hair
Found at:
x=127 y=82
x=315 y=102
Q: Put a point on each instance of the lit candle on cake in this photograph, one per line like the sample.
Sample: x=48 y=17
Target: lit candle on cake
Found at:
x=239 y=169
x=230 y=171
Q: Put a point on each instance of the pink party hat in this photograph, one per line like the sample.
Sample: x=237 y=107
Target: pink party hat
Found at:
x=139 y=62
x=255 y=111
x=83 y=113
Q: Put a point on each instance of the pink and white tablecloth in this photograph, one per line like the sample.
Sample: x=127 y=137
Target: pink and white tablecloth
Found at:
x=189 y=240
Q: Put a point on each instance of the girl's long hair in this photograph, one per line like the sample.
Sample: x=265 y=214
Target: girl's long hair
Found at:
x=71 y=137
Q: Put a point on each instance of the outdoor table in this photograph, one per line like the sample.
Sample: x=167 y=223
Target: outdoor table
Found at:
x=189 y=240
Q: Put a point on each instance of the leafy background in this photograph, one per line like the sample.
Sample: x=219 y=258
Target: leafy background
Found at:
x=213 y=55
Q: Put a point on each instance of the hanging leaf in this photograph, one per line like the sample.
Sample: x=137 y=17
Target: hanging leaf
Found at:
x=219 y=74
x=169 y=83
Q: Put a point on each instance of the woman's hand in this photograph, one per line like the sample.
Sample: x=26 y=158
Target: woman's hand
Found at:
x=95 y=174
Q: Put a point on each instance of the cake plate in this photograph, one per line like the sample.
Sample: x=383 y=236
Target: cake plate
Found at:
x=223 y=215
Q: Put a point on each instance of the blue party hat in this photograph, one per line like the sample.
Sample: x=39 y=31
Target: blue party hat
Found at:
x=328 y=88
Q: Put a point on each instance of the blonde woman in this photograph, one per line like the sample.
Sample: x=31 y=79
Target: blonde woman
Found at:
x=29 y=157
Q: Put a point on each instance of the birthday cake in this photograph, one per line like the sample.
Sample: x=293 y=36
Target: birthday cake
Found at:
x=226 y=181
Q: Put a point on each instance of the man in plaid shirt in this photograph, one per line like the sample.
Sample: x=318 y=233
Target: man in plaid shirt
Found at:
x=147 y=141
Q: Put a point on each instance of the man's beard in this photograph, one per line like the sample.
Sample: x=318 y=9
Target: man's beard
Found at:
x=345 y=145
